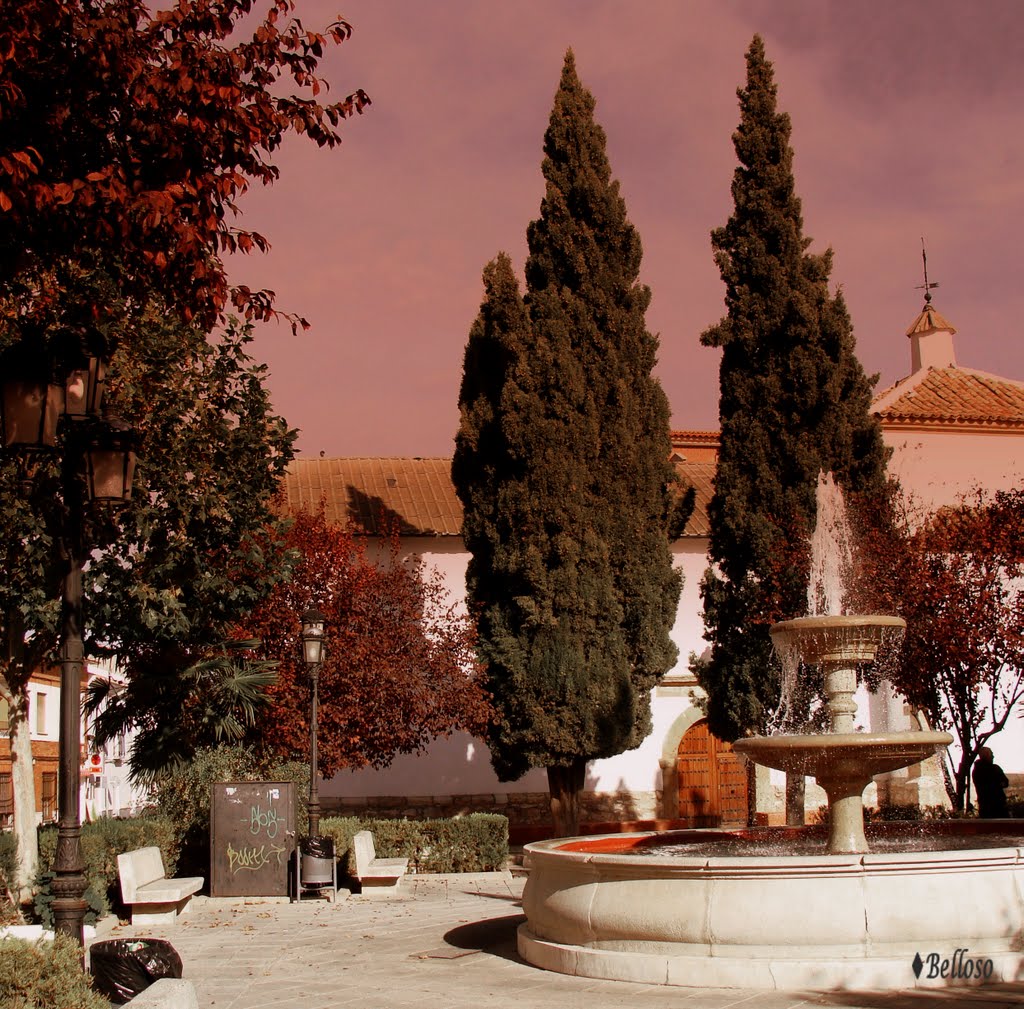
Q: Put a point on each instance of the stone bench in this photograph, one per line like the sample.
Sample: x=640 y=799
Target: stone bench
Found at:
x=153 y=898
x=376 y=875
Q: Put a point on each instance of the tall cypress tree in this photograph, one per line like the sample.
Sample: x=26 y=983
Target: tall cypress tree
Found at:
x=562 y=465
x=794 y=401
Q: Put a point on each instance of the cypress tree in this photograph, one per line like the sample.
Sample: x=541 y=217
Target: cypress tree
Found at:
x=794 y=401
x=562 y=465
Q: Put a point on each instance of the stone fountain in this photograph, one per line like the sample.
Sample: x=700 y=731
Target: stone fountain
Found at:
x=759 y=908
x=842 y=761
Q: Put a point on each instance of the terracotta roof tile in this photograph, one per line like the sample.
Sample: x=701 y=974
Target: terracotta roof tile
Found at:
x=701 y=477
x=418 y=493
x=373 y=492
x=953 y=396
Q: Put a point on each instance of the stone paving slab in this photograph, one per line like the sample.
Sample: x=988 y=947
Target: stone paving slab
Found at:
x=445 y=942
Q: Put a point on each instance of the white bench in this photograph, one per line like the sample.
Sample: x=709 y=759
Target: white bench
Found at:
x=154 y=899
x=376 y=875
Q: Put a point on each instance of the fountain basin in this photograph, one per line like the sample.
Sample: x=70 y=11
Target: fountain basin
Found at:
x=608 y=908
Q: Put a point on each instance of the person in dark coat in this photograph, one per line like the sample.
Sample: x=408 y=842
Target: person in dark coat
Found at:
x=989 y=786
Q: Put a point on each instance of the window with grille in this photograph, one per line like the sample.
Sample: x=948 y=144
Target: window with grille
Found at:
x=6 y=800
x=49 y=796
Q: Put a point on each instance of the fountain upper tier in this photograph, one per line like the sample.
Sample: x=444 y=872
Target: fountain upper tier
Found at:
x=833 y=639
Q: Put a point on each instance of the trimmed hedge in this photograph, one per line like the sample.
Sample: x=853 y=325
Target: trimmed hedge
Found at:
x=474 y=843
x=45 y=975
x=102 y=841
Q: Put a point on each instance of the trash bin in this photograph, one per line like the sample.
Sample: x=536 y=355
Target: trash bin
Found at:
x=124 y=968
x=317 y=861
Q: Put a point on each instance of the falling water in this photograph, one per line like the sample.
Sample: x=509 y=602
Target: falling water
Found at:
x=831 y=562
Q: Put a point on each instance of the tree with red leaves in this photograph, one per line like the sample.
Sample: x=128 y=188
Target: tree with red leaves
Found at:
x=127 y=137
x=400 y=668
x=957 y=578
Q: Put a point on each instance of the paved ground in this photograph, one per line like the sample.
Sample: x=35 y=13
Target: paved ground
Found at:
x=448 y=942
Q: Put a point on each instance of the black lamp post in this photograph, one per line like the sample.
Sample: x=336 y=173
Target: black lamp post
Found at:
x=97 y=464
x=313 y=654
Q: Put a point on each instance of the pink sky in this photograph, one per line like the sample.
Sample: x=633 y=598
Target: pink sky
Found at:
x=906 y=123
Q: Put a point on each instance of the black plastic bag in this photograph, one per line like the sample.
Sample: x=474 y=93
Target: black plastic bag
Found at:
x=318 y=846
x=124 y=968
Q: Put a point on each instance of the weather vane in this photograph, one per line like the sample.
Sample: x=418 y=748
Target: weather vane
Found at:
x=926 y=286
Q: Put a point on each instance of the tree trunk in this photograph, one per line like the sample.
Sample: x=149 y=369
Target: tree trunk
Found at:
x=565 y=785
x=24 y=787
x=796 y=793
x=751 y=793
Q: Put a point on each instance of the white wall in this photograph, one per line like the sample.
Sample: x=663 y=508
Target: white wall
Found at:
x=938 y=467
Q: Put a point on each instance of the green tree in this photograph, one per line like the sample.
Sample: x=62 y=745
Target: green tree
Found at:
x=794 y=402
x=171 y=571
x=562 y=465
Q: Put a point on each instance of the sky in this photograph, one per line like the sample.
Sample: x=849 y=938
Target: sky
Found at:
x=907 y=124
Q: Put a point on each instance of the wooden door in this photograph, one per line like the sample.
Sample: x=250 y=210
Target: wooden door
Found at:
x=712 y=780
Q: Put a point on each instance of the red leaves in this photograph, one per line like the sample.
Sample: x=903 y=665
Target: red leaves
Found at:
x=401 y=666
x=168 y=119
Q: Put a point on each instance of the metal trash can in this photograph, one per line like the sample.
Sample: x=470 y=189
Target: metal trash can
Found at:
x=317 y=861
x=124 y=968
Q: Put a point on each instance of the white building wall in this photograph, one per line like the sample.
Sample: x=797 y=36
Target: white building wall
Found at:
x=940 y=467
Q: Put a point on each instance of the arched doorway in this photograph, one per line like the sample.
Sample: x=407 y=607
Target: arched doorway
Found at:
x=712 y=780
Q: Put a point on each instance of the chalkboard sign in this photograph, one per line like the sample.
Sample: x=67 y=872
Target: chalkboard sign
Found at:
x=252 y=838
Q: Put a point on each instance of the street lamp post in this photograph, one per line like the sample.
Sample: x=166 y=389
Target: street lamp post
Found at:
x=313 y=654
x=97 y=465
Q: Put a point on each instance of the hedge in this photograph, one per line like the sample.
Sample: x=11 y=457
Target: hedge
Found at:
x=102 y=841
x=474 y=843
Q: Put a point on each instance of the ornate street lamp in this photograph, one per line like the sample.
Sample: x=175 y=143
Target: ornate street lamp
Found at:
x=104 y=453
x=313 y=655
x=32 y=402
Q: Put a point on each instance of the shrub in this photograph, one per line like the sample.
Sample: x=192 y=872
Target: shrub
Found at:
x=45 y=975
x=474 y=843
x=102 y=841
x=184 y=795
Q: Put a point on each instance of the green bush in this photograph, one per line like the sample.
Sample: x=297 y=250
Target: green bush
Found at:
x=474 y=843
x=45 y=975
x=101 y=842
x=184 y=795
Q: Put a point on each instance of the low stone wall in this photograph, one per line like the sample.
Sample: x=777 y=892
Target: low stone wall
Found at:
x=521 y=808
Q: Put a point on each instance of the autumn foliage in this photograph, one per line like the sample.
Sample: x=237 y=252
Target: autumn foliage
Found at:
x=400 y=667
x=957 y=578
x=127 y=136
